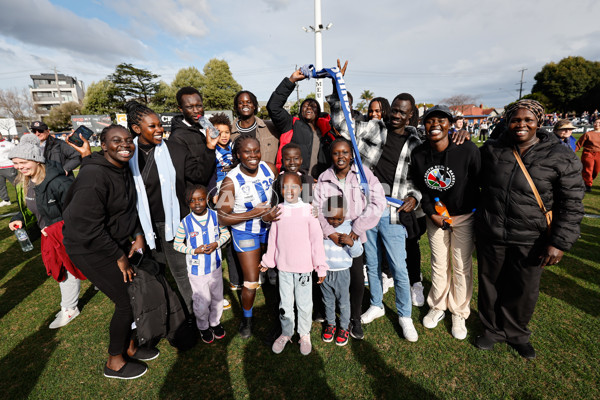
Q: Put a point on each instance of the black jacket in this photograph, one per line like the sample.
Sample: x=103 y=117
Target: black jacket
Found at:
x=100 y=211
x=192 y=138
x=50 y=195
x=452 y=175
x=508 y=212
x=186 y=170
x=303 y=133
x=59 y=151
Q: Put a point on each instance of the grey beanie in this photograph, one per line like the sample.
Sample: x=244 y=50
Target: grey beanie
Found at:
x=28 y=149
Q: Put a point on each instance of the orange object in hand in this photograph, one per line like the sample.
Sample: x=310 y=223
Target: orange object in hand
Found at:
x=441 y=209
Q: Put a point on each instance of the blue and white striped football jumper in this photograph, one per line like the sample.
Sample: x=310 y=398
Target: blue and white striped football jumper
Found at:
x=250 y=191
x=198 y=234
x=223 y=159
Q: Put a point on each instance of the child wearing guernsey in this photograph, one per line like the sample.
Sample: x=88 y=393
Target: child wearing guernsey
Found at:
x=244 y=205
x=296 y=248
x=224 y=157
x=200 y=237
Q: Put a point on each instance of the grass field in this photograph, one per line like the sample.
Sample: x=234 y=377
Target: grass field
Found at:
x=67 y=363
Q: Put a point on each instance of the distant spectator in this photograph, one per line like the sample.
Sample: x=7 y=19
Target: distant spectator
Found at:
x=590 y=158
x=7 y=170
x=55 y=149
x=563 y=129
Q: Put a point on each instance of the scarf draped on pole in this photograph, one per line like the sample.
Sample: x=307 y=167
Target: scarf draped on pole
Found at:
x=166 y=176
x=309 y=71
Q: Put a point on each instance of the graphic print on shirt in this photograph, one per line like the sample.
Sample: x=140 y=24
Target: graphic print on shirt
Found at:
x=439 y=177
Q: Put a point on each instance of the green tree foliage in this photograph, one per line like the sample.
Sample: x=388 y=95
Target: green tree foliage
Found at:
x=133 y=83
x=569 y=85
x=100 y=98
x=366 y=96
x=164 y=98
x=219 y=86
x=60 y=117
x=188 y=77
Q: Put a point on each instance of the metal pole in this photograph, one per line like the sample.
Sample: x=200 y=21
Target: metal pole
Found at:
x=318 y=52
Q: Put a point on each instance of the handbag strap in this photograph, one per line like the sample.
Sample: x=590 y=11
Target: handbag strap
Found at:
x=528 y=177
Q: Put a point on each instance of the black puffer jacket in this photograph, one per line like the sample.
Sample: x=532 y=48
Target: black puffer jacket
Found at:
x=193 y=139
x=508 y=212
x=59 y=151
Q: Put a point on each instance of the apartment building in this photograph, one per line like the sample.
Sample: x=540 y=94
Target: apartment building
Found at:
x=46 y=92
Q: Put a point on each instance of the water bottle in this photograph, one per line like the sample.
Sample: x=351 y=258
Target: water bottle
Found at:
x=209 y=127
x=23 y=239
x=441 y=209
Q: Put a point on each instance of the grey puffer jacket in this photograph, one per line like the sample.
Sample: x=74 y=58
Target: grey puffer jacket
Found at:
x=508 y=212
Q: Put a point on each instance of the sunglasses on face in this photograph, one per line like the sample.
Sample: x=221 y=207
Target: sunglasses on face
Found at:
x=38 y=130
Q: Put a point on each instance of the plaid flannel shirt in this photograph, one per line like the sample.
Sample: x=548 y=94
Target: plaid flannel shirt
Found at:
x=370 y=138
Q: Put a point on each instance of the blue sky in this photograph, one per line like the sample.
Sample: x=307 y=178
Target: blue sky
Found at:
x=431 y=48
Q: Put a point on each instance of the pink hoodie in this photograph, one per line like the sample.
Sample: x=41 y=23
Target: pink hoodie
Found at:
x=363 y=213
x=296 y=241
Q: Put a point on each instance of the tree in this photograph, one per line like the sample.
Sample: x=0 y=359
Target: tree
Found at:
x=219 y=87
x=568 y=84
x=60 y=117
x=100 y=98
x=188 y=77
x=458 y=102
x=16 y=104
x=133 y=83
x=164 y=99
x=366 y=97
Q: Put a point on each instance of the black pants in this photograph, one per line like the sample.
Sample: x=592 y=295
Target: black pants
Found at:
x=413 y=253
x=109 y=279
x=509 y=284
x=234 y=267
x=165 y=254
x=357 y=287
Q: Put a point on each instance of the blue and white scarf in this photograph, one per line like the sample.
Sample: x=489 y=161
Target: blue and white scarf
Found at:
x=309 y=71
x=166 y=176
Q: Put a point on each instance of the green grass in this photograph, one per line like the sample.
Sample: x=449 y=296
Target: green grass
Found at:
x=67 y=363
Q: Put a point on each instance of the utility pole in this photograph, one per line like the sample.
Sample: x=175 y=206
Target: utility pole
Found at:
x=317 y=29
x=57 y=86
x=521 y=83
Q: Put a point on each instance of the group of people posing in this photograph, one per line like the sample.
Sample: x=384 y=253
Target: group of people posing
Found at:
x=289 y=196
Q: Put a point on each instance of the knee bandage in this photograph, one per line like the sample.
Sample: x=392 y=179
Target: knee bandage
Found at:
x=251 y=285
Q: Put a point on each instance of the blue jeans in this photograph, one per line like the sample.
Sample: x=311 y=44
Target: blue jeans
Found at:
x=393 y=237
x=336 y=287
x=295 y=287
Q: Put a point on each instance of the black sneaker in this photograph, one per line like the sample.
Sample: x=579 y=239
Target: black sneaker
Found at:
x=484 y=343
x=525 y=350
x=130 y=370
x=207 y=335
x=341 y=337
x=145 y=353
x=356 y=329
x=328 y=334
x=246 y=327
x=218 y=331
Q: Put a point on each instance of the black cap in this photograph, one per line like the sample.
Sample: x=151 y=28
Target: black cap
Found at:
x=439 y=109
x=39 y=125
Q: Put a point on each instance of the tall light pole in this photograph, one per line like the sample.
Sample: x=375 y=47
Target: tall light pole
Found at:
x=317 y=29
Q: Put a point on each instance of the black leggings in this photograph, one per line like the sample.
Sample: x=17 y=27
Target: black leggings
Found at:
x=357 y=287
x=109 y=279
x=413 y=253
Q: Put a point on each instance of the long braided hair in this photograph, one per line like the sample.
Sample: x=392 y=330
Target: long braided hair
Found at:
x=135 y=113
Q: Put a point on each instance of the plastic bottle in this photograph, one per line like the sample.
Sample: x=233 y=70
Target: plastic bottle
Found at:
x=23 y=239
x=209 y=127
x=441 y=209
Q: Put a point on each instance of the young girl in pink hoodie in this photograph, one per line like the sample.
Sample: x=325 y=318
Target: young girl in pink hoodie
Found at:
x=296 y=248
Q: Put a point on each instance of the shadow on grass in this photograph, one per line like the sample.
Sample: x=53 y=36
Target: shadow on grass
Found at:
x=565 y=289
x=386 y=382
x=26 y=281
x=21 y=368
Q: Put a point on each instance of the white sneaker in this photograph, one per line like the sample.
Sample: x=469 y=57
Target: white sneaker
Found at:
x=459 y=330
x=371 y=314
x=432 y=318
x=416 y=294
x=305 y=345
x=64 y=316
x=226 y=304
x=280 y=343
x=408 y=329
x=5 y=203
x=387 y=283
